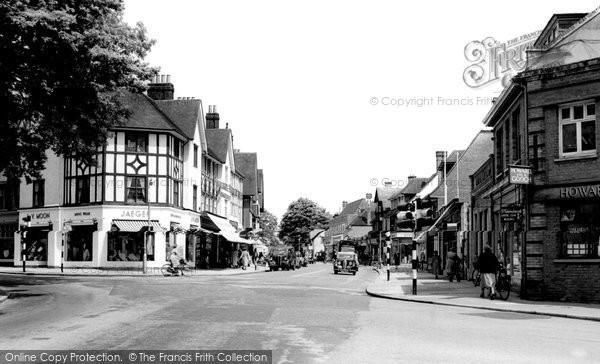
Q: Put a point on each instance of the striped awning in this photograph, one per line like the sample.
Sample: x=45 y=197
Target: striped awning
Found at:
x=134 y=226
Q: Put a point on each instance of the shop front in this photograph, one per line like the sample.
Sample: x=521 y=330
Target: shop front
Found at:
x=8 y=228
x=38 y=239
x=571 y=251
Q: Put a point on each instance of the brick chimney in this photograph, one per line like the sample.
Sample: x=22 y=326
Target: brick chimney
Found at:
x=161 y=88
x=212 y=117
x=344 y=204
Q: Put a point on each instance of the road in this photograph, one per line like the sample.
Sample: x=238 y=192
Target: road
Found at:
x=305 y=316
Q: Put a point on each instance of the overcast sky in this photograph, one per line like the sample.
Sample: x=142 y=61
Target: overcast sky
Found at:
x=297 y=82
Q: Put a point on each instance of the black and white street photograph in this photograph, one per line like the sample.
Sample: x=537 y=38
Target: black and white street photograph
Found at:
x=205 y=181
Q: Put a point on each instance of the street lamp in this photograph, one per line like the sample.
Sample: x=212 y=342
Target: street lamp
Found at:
x=147 y=233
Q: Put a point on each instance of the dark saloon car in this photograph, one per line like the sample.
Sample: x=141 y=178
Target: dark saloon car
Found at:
x=345 y=262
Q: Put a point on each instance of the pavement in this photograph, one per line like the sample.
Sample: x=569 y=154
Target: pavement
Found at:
x=464 y=294
x=125 y=272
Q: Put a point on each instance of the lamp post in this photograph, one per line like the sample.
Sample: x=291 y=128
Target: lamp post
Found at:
x=147 y=233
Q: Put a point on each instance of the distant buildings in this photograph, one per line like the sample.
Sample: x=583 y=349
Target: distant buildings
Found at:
x=528 y=184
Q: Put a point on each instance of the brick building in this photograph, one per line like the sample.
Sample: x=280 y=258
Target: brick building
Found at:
x=546 y=120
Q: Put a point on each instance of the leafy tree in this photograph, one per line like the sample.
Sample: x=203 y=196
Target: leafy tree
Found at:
x=63 y=66
x=268 y=225
x=302 y=216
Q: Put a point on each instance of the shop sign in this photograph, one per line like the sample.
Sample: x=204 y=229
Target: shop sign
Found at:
x=520 y=175
x=580 y=192
x=403 y=234
x=195 y=219
x=511 y=215
x=176 y=216
x=134 y=213
x=83 y=213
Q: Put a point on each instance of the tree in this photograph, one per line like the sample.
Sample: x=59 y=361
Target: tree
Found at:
x=301 y=217
x=268 y=225
x=63 y=67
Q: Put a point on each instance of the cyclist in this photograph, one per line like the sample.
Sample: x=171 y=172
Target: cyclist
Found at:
x=488 y=266
x=176 y=261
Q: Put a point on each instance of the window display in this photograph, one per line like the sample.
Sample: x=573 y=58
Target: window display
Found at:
x=36 y=244
x=79 y=244
x=580 y=230
x=128 y=247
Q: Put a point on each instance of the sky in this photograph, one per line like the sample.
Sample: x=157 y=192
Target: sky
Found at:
x=337 y=97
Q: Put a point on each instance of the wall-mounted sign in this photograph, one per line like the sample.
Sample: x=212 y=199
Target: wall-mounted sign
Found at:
x=580 y=191
x=520 y=175
x=511 y=215
x=134 y=213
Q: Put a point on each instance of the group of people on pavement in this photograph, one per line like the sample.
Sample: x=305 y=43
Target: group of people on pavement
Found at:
x=487 y=262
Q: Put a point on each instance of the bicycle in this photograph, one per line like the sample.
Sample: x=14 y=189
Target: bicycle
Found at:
x=168 y=270
x=503 y=283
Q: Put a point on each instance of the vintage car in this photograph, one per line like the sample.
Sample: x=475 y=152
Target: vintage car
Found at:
x=280 y=257
x=346 y=262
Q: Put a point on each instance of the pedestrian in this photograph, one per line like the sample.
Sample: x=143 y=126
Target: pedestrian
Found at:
x=436 y=261
x=396 y=259
x=235 y=258
x=452 y=265
x=245 y=259
x=488 y=266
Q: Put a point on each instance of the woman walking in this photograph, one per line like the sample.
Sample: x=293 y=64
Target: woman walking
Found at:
x=488 y=266
x=437 y=264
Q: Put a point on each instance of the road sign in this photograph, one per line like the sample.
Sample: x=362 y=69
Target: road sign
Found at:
x=520 y=175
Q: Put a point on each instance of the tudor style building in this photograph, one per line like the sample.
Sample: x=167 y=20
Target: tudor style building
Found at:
x=163 y=169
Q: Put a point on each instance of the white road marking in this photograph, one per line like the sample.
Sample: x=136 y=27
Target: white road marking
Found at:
x=309 y=273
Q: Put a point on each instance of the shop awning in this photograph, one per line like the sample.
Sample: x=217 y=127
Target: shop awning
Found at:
x=227 y=230
x=133 y=226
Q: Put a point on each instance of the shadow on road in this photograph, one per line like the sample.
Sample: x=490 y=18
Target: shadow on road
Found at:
x=508 y=316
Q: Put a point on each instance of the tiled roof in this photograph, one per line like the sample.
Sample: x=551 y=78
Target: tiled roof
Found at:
x=353 y=207
x=384 y=194
x=184 y=113
x=145 y=114
x=247 y=164
x=458 y=180
x=219 y=142
x=413 y=187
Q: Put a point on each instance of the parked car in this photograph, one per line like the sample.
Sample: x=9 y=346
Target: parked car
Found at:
x=320 y=256
x=345 y=262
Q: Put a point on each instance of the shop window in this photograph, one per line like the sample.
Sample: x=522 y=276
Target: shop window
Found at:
x=136 y=189
x=580 y=230
x=36 y=244
x=129 y=247
x=82 y=194
x=38 y=193
x=79 y=247
x=7 y=239
x=136 y=142
x=577 y=124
